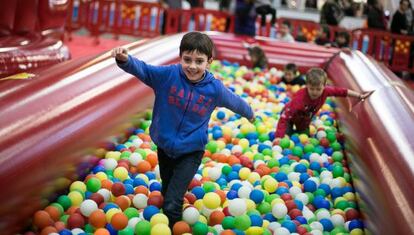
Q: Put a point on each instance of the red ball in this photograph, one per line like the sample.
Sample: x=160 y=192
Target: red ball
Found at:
x=194 y=183
x=290 y=204
x=351 y=214
x=96 y=197
x=191 y=198
x=226 y=211
x=286 y=197
x=301 y=230
x=295 y=213
x=76 y=220
x=118 y=189
x=324 y=142
x=156 y=200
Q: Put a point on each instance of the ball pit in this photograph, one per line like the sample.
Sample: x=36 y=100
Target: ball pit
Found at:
x=248 y=183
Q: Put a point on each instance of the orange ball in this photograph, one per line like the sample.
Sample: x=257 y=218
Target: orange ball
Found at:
x=227 y=232
x=123 y=202
x=141 y=189
x=48 y=230
x=152 y=159
x=107 y=184
x=53 y=212
x=216 y=217
x=101 y=231
x=181 y=227
x=119 y=221
x=97 y=219
x=42 y=219
x=59 y=225
x=143 y=167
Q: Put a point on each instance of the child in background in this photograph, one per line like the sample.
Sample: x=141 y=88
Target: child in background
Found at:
x=257 y=57
x=323 y=35
x=298 y=113
x=284 y=32
x=185 y=96
x=292 y=76
x=342 y=40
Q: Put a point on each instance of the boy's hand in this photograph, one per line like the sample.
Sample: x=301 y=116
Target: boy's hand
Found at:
x=364 y=95
x=120 y=54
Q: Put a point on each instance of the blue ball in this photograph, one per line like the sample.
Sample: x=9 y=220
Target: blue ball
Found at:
x=236 y=186
x=303 y=177
x=269 y=217
x=329 y=151
x=98 y=168
x=281 y=176
x=295 y=139
x=325 y=188
x=111 y=229
x=233 y=175
x=299 y=204
x=151 y=175
x=109 y=206
x=129 y=189
x=283 y=161
x=301 y=168
x=137 y=131
x=336 y=192
x=289 y=225
x=309 y=186
x=65 y=232
x=263 y=147
x=149 y=211
x=155 y=186
x=356 y=223
x=256 y=220
x=221 y=115
x=138 y=182
x=217 y=134
x=257 y=196
x=119 y=147
x=315 y=166
x=282 y=190
x=327 y=224
x=198 y=192
x=236 y=167
x=286 y=152
x=232 y=194
x=221 y=181
x=229 y=146
x=271 y=135
x=252 y=142
x=301 y=219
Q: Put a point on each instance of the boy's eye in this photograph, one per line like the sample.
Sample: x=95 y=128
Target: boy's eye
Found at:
x=199 y=61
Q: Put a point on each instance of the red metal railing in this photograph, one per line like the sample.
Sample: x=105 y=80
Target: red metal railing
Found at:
x=146 y=20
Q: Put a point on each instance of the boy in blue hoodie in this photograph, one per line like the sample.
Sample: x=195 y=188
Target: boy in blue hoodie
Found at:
x=185 y=96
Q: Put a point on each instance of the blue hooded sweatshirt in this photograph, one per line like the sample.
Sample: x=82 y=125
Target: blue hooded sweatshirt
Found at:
x=182 y=109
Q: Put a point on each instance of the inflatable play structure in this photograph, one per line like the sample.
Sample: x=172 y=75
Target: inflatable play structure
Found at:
x=53 y=126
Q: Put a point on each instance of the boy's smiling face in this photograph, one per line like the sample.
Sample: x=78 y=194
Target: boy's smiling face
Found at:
x=194 y=64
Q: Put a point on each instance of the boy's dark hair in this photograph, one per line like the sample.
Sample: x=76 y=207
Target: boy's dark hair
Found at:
x=316 y=77
x=325 y=29
x=196 y=41
x=287 y=23
x=291 y=67
x=345 y=35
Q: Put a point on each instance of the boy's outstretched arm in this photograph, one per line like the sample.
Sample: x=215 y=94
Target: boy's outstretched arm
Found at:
x=361 y=96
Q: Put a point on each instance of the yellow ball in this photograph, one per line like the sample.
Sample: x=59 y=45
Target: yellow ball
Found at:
x=211 y=200
x=199 y=204
x=312 y=130
x=349 y=196
x=226 y=130
x=261 y=129
x=76 y=198
x=113 y=154
x=101 y=176
x=270 y=185
x=265 y=223
x=254 y=230
x=356 y=231
x=303 y=138
x=244 y=143
x=159 y=219
x=121 y=173
x=253 y=177
x=78 y=185
x=160 y=229
x=111 y=212
x=249 y=155
x=250 y=204
x=220 y=144
x=244 y=173
x=202 y=219
x=144 y=177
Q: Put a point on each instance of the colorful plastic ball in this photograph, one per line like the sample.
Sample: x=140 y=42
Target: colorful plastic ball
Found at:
x=309 y=186
x=237 y=207
x=118 y=189
x=75 y=220
x=97 y=219
x=160 y=229
x=121 y=173
x=159 y=219
x=181 y=227
x=93 y=184
x=143 y=227
x=191 y=215
x=87 y=207
x=150 y=211
x=76 y=198
x=242 y=222
x=228 y=222
x=119 y=221
x=281 y=231
x=156 y=200
x=270 y=185
x=327 y=224
x=200 y=229
x=140 y=201
x=257 y=196
x=211 y=200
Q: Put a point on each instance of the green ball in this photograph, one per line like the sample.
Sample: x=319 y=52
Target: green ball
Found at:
x=337 y=156
x=284 y=143
x=141 y=152
x=331 y=136
x=228 y=222
x=338 y=230
x=59 y=207
x=145 y=124
x=126 y=231
x=226 y=169
x=125 y=154
x=258 y=156
x=272 y=163
x=64 y=201
x=310 y=196
x=211 y=146
x=93 y=185
x=336 y=146
x=240 y=136
x=267 y=152
x=143 y=227
x=266 y=232
x=64 y=219
x=319 y=192
x=337 y=171
x=347 y=177
x=209 y=187
x=263 y=137
x=131 y=212
x=89 y=228
x=242 y=222
x=200 y=228
x=308 y=148
x=269 y=198
x=342 y=205
x=297 y=151
x=264 y=208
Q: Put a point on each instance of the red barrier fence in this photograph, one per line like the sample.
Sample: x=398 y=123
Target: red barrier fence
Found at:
x=146 y=20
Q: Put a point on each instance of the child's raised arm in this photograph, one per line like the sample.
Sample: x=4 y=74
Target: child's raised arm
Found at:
x=361 y=96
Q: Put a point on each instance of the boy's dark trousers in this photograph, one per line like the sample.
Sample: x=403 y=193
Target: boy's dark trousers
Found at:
x=176 y=175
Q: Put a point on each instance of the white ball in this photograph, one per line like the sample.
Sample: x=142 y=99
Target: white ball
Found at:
x=106 y=194
x=257 y=163
x=226 y=152
x=308 y=214
x=326 y=174
x=87 y=207
x=279 y=210
x=323 y=214
x=316 y=232
x=137 y=142
x=337 y=220
x=140 y=201
x=237 y=207
x=302 y=197
x=244 y=192
x=294 y=176
x=110 y=164
x=277 y=148
x=320 y=134
x=77 y=231
x=274 y=225
x=218 y=228
x=135 y=158
x=314 y=157
x=346 y=225
x=281 y=231
x=133 y=222
x=236 y=149
x=316 y=226
x=214 y=173
x=295 y=190
x=191 y=215
x=157 y=172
